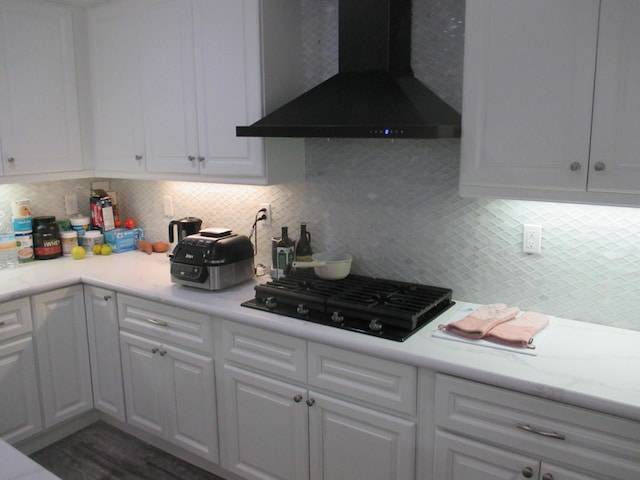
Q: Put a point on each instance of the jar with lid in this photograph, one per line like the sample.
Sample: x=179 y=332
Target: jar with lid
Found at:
x=46 y=238
x=69 y=239
x=90 y=239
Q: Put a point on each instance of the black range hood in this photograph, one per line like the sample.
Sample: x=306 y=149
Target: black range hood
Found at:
x=375 y=94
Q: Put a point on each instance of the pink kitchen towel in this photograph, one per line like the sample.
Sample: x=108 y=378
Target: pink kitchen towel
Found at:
x=520 y=331
x=482 y=320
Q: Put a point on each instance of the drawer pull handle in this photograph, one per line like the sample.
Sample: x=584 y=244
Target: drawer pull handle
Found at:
x=529 y=428
x=156 y=322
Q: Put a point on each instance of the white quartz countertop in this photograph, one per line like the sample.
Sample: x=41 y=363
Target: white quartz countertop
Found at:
x=584 y=364
x=17 y=466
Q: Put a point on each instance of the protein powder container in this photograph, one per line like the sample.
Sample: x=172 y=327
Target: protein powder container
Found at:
x=46 y=238
x=69 y=239
x=91 y=238
x=80 y=224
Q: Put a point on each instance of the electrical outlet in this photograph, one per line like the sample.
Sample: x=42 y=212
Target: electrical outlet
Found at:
x=531 y=238
x=71 y=204
x=267 y=221
x=167 y=202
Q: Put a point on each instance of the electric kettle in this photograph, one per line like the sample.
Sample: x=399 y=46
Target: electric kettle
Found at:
x=185 y=226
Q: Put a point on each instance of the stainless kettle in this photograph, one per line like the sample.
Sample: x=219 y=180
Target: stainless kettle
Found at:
x=185 y=226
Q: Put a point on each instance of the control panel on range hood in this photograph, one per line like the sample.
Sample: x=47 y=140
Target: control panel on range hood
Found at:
x=375 y=94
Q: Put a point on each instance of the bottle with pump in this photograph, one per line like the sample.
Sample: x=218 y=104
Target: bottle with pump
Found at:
x=303 y=248
x=285 y=252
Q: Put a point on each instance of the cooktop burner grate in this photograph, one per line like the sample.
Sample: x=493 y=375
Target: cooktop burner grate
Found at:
x=383 y=308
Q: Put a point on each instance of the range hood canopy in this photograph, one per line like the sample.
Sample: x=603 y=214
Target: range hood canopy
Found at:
x=375 y=94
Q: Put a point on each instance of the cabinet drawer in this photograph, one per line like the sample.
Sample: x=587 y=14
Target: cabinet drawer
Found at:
x=596 y=441
x=370 y=379
x=15 y=318
x=166 y=323
x=270 y=352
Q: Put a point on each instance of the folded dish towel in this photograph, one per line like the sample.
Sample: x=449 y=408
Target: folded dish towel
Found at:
x=520 y=331
x=481 y=321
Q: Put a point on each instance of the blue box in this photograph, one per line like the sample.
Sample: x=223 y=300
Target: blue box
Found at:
x=123 y=239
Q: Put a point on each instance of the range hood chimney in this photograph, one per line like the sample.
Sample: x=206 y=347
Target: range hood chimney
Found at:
x=375 y=94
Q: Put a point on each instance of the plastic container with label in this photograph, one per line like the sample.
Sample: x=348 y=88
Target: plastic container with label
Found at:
x=69 y=240
x=91 y=238
x=8 y=250
x=46 y=238
x=80 y=224
x=24 y=242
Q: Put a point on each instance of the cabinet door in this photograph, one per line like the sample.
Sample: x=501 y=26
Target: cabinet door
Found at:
x=264 y=428
x=116 y=91
x=63 y=354
x=227 y=36
x=350 y=441
x=19 y=400
x=143 y=384
x=168 y=86
x=104 y=351
x=39 y=125
x=529 y=72
x=458 y=458
x=191 y=401
x=616 y=111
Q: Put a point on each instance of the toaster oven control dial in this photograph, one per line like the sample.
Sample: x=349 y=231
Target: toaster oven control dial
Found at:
x=337 y=317
x=302 y=310
x=375 y=325
x=271 y=302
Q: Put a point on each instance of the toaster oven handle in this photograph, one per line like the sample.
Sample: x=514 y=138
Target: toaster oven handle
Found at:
x=157 y=322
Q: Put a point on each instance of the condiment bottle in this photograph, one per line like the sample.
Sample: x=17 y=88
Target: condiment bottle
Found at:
x=285 y=251
x=303 y=248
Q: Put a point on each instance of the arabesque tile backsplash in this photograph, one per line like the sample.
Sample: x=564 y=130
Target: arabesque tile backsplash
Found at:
x=396 y=207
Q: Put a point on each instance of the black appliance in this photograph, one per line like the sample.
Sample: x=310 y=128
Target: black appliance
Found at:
x=375 y=94
x=387 y=309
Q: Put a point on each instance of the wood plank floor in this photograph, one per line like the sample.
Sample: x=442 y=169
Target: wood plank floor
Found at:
x=101 y=452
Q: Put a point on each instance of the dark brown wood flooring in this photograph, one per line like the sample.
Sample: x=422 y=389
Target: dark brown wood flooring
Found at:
x=101 y=452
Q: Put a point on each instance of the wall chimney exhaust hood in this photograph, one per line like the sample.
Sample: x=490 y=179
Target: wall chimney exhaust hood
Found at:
x=375 y=94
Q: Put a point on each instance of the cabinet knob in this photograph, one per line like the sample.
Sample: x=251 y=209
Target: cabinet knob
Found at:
x=297 y=398
x=599 y=167
x=191 y=158
x=107 y=297
x=547 y=476
x=2 y=323
x=163 y=353
x=311 y=402
x=138 y=157
x=201 y=159
x=527 y=472
x=155 y=350
x=11 y=160
x=575 y=166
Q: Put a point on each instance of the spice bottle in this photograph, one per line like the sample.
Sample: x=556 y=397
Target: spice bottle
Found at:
x=303 y=248
x=285 y=251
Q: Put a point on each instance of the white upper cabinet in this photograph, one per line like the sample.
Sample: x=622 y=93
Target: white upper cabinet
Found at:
x=171 y=79
x=532 y=126
x=39 y=119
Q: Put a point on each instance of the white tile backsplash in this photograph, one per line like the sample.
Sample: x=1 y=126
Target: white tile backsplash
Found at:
x=395 y=206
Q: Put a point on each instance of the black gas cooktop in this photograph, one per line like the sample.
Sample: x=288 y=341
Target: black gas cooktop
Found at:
x=387 y=309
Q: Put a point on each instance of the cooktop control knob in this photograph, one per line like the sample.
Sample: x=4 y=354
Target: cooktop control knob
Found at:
x=271 y=303
x=337 y=317
x=302 y=310
x=375 y=325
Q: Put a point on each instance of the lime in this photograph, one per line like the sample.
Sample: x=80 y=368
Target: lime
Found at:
x=77 y=253
x=106 y=249
x=97 y=249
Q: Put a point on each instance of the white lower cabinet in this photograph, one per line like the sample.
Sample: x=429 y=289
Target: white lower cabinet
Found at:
x=276 y=425
x=104 y=350
x=488 y=433
x=60 y=333
x=169 y=390
x=19 y=399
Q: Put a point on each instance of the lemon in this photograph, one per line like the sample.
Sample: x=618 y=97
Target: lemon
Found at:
x=106 y=249
x=77 y=253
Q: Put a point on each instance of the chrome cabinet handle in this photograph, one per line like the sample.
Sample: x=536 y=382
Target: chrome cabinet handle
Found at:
x=547 y=476
x=599 y=167
x=107 y=297
x=527 y=472
x=138 y=157
x=530 y=429
x=311 y=402
x=156 y=322
x=297 y=398
x=11 y=160
x=575 y=166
